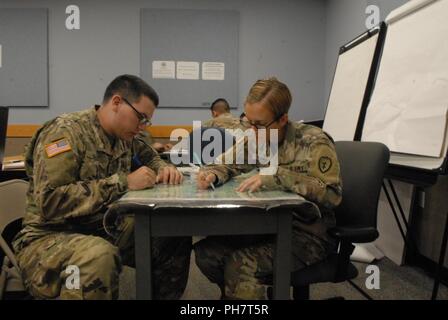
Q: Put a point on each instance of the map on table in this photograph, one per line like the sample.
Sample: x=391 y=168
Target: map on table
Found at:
x=187 y=195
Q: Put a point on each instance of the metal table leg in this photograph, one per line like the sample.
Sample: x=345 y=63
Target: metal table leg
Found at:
x=143 y=256
x=282 y=261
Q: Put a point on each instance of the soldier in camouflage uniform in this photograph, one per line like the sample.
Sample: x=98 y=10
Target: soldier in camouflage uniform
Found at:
x=307 y=165
x=78 y=164
x=225 y=120
x=221 y=116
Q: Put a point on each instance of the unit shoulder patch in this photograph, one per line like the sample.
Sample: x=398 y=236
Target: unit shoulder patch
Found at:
x=325 y=164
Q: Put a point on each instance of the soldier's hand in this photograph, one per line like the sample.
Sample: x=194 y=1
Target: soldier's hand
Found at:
x=141 y=178
x=159 y=147
x=169 y=175
x=251 y=184
x=168 y=147
x=205 y=179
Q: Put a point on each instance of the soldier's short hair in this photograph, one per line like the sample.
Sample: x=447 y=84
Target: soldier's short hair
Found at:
x=226 y=107
x=132 y=88
x=273 y=93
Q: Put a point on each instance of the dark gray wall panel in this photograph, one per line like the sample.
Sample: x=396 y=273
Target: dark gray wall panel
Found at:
x=191 y=35
x=24 y=69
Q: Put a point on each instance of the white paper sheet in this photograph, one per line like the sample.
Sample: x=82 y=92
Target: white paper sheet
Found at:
x=366 y=252
x=213 y=70
x=163 y=70
x=187 y=70
x=408 y=109
x=405 y=9
x=347 y=92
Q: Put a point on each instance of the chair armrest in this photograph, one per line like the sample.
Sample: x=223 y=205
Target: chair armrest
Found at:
x=354 y=234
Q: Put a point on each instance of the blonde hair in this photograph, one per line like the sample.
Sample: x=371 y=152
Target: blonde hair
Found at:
x=273 y=93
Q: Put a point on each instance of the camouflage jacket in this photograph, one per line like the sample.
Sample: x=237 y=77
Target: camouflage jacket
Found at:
x=308 y=166
x=75 y=173
x=225 y=120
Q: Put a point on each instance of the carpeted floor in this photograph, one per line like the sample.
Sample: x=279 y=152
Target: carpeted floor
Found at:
x=396 y=283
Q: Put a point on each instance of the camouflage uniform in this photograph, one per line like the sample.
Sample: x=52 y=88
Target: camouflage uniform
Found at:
x=149 y=139
x=225 y=120
x=308 y=165
x=76 y=170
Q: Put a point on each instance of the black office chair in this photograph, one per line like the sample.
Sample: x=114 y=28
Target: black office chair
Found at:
x=362 y=168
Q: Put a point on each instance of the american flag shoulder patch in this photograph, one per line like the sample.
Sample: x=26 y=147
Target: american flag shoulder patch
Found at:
x=57 y=147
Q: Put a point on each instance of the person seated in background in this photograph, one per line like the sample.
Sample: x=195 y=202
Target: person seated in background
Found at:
x=158 y=146
x=307 y=165
x=221 y=116
x=219 y=107
x=162 y=147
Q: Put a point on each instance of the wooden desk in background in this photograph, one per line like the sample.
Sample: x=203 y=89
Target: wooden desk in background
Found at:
x=13 y=168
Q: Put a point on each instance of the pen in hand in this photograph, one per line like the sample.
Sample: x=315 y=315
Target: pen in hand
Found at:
x=195 y=156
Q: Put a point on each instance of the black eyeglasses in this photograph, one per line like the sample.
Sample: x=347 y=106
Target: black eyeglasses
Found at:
x=246 y=122
x=141 y=117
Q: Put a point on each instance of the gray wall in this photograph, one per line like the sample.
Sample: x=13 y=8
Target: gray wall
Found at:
x=345 y=20
x=297 y=41
x=282 y=38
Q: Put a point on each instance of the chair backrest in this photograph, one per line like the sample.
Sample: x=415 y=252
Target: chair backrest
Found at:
x=12 y=208
x=12 y=201
x=206 y=137
x=363 y=165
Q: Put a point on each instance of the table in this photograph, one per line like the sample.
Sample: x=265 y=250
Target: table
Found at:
x=182 y=210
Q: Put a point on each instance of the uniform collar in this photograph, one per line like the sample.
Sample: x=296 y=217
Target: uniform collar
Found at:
x=226 y=115
x=290 y=136
x=104 y=143
x=287 y=149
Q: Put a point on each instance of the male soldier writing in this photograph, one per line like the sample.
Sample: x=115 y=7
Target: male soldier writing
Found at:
x=78 y=164
x=307 y=165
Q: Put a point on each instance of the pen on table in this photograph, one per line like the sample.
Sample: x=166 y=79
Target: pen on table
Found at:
x=195 y=156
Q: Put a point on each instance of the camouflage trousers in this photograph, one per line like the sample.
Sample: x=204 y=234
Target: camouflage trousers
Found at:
x=242 y=265
x=46 y=263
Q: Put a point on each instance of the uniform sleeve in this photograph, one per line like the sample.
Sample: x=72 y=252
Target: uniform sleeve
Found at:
x=58 y=190
x=147 y=155
x=149 y=138
x=224 y=171
x=315 y=174
x=208 y=123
